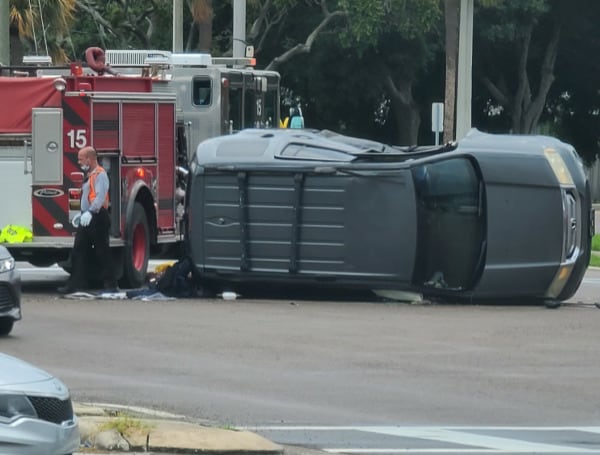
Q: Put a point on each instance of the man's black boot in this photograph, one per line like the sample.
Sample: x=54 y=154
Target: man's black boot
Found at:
x=110 y=287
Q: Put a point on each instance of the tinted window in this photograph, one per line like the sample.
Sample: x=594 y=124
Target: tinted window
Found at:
x=235 y=108
x=450 y=222
x=202 y=91
x=250 y=109
x=271 y=102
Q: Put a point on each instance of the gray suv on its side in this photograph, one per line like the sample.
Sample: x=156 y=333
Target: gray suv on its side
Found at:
x=504 y=217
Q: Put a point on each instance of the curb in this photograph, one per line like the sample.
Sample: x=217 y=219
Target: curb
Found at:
x=114 y=429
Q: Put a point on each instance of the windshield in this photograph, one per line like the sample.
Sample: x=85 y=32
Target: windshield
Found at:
x=450 y=222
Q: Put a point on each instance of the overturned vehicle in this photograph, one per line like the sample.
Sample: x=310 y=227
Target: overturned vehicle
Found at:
x=491 y=217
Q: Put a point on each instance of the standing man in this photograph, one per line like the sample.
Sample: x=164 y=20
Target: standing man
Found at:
x=91 y=240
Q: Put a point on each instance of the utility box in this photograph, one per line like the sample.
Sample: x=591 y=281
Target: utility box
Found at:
x=46 y=143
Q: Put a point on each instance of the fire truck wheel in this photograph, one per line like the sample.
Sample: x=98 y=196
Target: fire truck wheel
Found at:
x=137 y=249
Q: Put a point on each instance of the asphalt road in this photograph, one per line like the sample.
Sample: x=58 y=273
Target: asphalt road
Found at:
x=335 y=362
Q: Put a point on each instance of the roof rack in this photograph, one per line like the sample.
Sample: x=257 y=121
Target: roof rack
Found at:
x=135 y=58
x=145 y=58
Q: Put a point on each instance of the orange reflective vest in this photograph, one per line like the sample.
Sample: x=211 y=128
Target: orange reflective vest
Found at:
x=92 y=180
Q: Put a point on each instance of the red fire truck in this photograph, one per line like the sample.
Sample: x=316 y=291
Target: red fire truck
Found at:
x=145 y=122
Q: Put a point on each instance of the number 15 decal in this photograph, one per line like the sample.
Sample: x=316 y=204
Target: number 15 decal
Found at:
x=77 y=138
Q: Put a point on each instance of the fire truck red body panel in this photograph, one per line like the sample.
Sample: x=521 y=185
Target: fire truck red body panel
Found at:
x=19 y=96
x=133 y=132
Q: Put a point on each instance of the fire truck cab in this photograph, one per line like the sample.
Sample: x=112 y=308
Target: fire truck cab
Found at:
x=215 y=96
x=145 y=119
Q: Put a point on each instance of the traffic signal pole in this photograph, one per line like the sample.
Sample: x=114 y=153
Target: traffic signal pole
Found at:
x=465 y=68
x=177 y=25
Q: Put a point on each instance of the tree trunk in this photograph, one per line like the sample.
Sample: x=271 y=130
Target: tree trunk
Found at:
x=202 y=14
x=408 y=120
x=205 y=36
x=451 y=21
x=16 y=48
x=526 y=108
x=405 y=110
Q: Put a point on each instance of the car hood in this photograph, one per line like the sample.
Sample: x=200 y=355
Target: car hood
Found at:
x=15 y=374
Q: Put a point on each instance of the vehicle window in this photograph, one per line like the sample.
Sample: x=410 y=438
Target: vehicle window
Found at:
x=271 y=102
x=235 y=108
x=451 y=223
x=249 y=109
x=202 y=91
x=309 y=152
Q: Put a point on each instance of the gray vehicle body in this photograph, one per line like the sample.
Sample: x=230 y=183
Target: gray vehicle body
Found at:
x=486 y=218
x=10 y=292
x=53 y=430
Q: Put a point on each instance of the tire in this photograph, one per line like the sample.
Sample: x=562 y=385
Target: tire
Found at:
x=137 y=249
x=6 y=326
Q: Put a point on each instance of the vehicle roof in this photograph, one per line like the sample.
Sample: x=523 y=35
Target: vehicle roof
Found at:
x=265 y=145
x=529 y=143
x=282 y=146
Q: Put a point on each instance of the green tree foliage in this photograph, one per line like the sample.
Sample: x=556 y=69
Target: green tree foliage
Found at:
x=387 y=43
x=122 y=24
x=28 y=20
x=573 y=107
x=516 y=45
x=371 y=67
x=534 y=71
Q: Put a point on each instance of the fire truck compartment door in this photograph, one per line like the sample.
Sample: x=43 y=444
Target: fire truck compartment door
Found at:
x=47 y=146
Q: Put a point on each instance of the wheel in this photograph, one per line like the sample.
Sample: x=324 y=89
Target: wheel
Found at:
x=137 y=249
x=6 y=326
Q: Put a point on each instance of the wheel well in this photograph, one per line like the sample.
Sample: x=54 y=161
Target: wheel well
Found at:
x=145 y=199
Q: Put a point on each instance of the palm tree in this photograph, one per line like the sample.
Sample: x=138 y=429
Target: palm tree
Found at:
x=43 y=25
x=201 y=30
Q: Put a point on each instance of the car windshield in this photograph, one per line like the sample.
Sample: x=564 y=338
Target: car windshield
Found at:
x=451 y=224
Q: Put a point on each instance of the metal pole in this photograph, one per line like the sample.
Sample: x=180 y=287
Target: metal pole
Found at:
x=4 y=33
x=177 y=25
x=465 y=68
x=239 y=28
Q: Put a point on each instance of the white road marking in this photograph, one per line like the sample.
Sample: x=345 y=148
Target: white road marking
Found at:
x=472 y=439
x=454 y=428
x=467 y=436
x=408 y=450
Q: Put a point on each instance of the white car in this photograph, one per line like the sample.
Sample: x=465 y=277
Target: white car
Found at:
x=10 y=292
x=36 y=413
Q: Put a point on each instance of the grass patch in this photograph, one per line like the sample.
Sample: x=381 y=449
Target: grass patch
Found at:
x=228 y=427
x=125 y=425
x=596 y=242
x=595 y=260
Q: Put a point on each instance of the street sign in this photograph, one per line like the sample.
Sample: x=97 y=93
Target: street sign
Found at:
x=437 y=119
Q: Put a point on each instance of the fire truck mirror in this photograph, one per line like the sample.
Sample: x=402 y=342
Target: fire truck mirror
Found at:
x=105 y=163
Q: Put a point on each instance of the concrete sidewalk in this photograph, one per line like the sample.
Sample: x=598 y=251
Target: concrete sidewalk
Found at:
x=111 y=429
